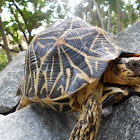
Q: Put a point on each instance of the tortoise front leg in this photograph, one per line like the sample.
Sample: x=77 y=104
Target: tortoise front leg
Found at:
x=114 y=93
x=89 y=120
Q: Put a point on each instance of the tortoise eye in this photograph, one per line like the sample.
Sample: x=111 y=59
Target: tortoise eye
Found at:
x=134 y=64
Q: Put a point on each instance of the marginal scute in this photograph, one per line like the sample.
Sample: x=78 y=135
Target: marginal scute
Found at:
x=91 y=79
x=35 y=38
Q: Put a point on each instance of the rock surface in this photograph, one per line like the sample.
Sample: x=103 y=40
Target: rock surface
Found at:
x=129 y=39
x=10 y=78
x=35 y=123
x=1 y=117
x=123 y=123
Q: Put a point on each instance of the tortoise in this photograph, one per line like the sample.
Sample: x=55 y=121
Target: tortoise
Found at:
x=74 y=66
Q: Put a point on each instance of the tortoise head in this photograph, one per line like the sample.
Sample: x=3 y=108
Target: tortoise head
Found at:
x=128 y=69
x=124 y=71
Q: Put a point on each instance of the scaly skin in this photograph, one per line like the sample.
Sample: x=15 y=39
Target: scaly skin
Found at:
x=89 y=120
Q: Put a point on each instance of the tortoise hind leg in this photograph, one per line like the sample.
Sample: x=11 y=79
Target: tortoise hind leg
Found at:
x=23 y=103
x=89 y=120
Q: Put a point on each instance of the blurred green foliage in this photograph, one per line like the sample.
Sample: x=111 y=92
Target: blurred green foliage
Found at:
x=3 y=60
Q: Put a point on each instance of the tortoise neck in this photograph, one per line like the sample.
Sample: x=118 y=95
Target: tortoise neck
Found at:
x=109 y=76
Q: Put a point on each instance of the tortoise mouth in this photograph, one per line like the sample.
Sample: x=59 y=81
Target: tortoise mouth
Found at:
x=137 y=76
x=133 y=76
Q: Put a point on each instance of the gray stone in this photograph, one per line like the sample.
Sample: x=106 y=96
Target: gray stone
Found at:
x=123 y=123
x=107 y=111
x=1 y=117
x=129 y=39
x=10 y=78
x=36 y=123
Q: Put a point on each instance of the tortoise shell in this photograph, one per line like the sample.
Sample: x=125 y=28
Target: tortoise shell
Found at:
x=65 y=57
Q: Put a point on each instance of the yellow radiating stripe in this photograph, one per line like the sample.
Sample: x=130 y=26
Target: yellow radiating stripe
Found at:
x=45 y=56
x=49 y=43
x=90 y=67
x=51 y=106
x=116 y=48
x=81 y=75
x=71 y=23
x=45 y=85
x=75 y=49
x=60 y=73
x=52 y=69
x=35 y=38
x=96 y=66
x=61 y=107
x=79 y=37
x=45 y=76
x=67 y=29
x=62 y=88
x=72 y=38
x=40 y=45
x=74 y=79
x=57 y=78
x=90 y=33
x=60 y=60
x=27 y=88
x=90 y=57
x=96 y=53
x=85 y=55
x=92 y=45
x=34 y=78
x=36 y=81
x=52 y=37
x=105 y=47
x=29 y=91
x=68 y=72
